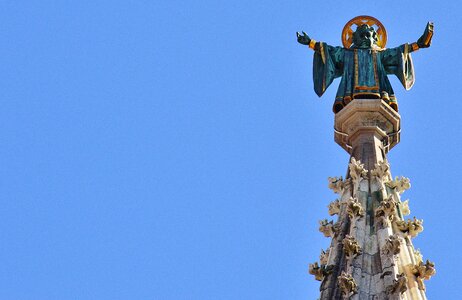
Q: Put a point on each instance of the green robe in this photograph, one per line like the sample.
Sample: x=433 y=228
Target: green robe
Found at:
x=363 y=71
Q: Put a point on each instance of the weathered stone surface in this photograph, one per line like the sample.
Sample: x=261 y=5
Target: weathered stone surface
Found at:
x=371 y=251
x=363 y=115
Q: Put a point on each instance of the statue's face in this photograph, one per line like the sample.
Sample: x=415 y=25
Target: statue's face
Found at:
x=364 y=37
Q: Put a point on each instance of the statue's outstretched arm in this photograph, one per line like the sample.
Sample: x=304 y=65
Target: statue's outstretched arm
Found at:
x=426 y=39
x=304 y=39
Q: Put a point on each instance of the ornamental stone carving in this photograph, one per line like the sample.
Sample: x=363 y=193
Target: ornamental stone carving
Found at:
x=347 y=284
x=386 y=211
x=328 y=228
x=381 y=170
x=334 y=207
x=324 y=256
x=400 y=184
x=399 y=285
x=351 y=246
x=404 y=208
x=392 y=245
x=320 y=271
x=354 y=208
x=357 y=169
x=410 y=227
x=423 y=272
x=336 y=184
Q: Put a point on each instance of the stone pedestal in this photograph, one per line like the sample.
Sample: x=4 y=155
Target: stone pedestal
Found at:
x=367 y=129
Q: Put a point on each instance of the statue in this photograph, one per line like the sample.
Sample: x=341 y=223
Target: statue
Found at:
x=363 y=63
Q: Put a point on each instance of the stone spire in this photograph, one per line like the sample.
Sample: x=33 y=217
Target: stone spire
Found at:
x=371 y=255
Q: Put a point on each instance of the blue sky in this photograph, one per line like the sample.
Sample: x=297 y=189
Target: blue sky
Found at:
x=177 y=150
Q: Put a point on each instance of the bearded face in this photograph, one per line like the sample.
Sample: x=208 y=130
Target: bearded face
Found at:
x=365 y=37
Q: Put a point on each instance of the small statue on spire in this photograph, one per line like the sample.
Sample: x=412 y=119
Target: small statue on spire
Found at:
x=363 y=62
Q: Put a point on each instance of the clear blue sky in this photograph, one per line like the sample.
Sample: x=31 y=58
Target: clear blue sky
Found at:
x=177 y=150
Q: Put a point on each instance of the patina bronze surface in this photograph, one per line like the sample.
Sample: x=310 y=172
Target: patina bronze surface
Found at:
x=363 y=63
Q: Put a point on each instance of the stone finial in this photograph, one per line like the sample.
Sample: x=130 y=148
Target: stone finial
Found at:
x=392 y=245
x=320 y=271
x=381 y=169
x=400 y=184
x=336 y=184
x=351 y=246
x=404 y=208
x=354 y=208
x=357 y=169
x=410 y=227
x=399 y=285
x=324 y=256
x=423 y=272
x=347 y=284
x=334 y=207
x=328 y=228
x=386 y=210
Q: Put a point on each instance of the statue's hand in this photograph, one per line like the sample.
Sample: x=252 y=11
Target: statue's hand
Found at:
x=303 y=38
x=426 y=39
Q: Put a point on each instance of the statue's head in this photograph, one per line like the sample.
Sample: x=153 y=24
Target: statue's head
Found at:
x=365 y=37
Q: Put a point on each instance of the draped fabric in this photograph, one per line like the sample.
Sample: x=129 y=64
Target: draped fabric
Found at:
x=363 y=72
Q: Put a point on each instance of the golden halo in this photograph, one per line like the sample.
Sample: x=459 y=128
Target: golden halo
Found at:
x=350 y=27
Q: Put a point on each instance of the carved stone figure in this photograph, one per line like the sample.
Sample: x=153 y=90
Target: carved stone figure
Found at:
x=324 y=256
x=347 y=284
x=351 y=246
x=334 y=207
x=354 y=208
x=410 y=227
x=423 y=272
x=363 y=63
x=320 y=272
x=336 y=184
x=328 y=228
x=399 y=285
x=400 y=184
x=357 y=169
